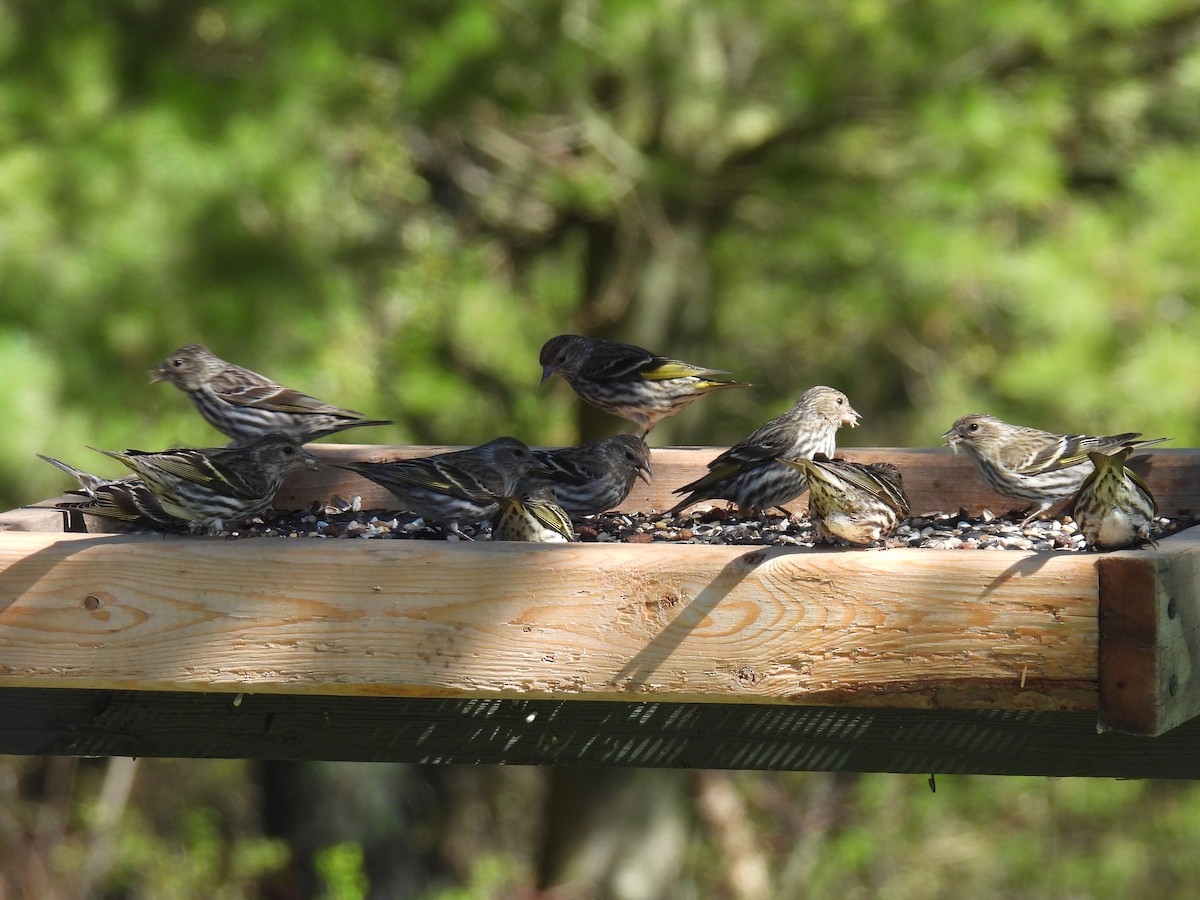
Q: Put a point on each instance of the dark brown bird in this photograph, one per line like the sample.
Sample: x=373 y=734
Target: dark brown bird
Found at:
x=126 y=500
x=591 y=478
x=245 y=405
x=460 y=486
x=533 y=516
x=1114 y=508
x=210 y=488
x=627 y=380
x=749 y=475
x=1038 y=468
x=859 y=503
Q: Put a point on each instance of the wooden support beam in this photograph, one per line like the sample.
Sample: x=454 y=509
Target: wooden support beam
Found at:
x=795 y=630
x=1149 y=664
x=55 y=721
x=603 y=621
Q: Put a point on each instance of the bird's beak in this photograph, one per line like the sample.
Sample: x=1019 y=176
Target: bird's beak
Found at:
x=547 y=371
x=952 y=439
x=852 y=417
x=158 y=373
x=310 y=462
x=643 y=472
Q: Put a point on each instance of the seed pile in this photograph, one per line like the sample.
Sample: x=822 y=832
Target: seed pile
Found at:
x=341 y=519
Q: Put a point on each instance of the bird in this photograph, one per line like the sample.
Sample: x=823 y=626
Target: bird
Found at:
x=531 y=515
x=1114 y=508
x=591 y=478
x=860 y=503
x=126 y=500
x=454 y=487
x=244 y=405
x=629 y=381
x=1038 y=468
x=749 y=473
x=210 y=488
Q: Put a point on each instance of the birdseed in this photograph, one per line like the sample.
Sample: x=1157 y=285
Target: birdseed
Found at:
x=345 y=519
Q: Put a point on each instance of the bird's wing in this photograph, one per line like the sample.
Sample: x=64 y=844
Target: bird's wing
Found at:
x=662 y=369
x=563 y=469
x=444 y=478
x=266 y=394
x=768 y=442
x=550 y=515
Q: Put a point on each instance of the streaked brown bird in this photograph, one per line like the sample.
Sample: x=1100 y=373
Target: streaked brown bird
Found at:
x=211 y=488
x=629 y=381
x=1038 y=468
x=126 y=500
x=591 y=478
x=245 y=405
x=531 y=516
x=459 y=486
x=749 y=474
x=860 y=503
x=1114 y=508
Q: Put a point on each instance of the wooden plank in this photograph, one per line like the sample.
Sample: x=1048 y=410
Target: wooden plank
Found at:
x=547 y=732
x=928 y=629
x=54 y=521
x=935 y=479
x=1150 y=637
x=413 y=618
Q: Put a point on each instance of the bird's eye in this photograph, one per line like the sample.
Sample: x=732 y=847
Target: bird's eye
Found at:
x=840 y=402
x=177 y=362
x=974 y=426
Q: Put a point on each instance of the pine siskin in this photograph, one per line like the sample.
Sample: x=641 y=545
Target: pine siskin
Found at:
x=208 y=488
x=460 y=486
x=627 y=380
x=531 y=516
x=126 y=500
x=859 y=503
x=1036 y=467
x=245 y=405
x=590 y=478
x=749 y=474
x=1114 y=508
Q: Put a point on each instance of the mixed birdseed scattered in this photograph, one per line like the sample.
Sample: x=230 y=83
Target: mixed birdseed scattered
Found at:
x=341 y=518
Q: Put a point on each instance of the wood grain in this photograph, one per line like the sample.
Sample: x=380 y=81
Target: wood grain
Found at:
x=414 y=618
x=902 y=628
x=1150 y=637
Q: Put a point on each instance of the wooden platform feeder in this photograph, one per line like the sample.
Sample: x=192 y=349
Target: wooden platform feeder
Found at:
x=654 y=654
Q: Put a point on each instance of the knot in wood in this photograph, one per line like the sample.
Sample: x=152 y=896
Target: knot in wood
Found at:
x=747 y=675
x=91 y=602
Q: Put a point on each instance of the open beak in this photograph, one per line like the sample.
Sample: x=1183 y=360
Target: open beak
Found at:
x=158 y=373
x=952 y=439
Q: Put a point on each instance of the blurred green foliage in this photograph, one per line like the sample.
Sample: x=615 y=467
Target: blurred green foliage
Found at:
x=392 y=206
x=936 y=207
x=340 y=868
